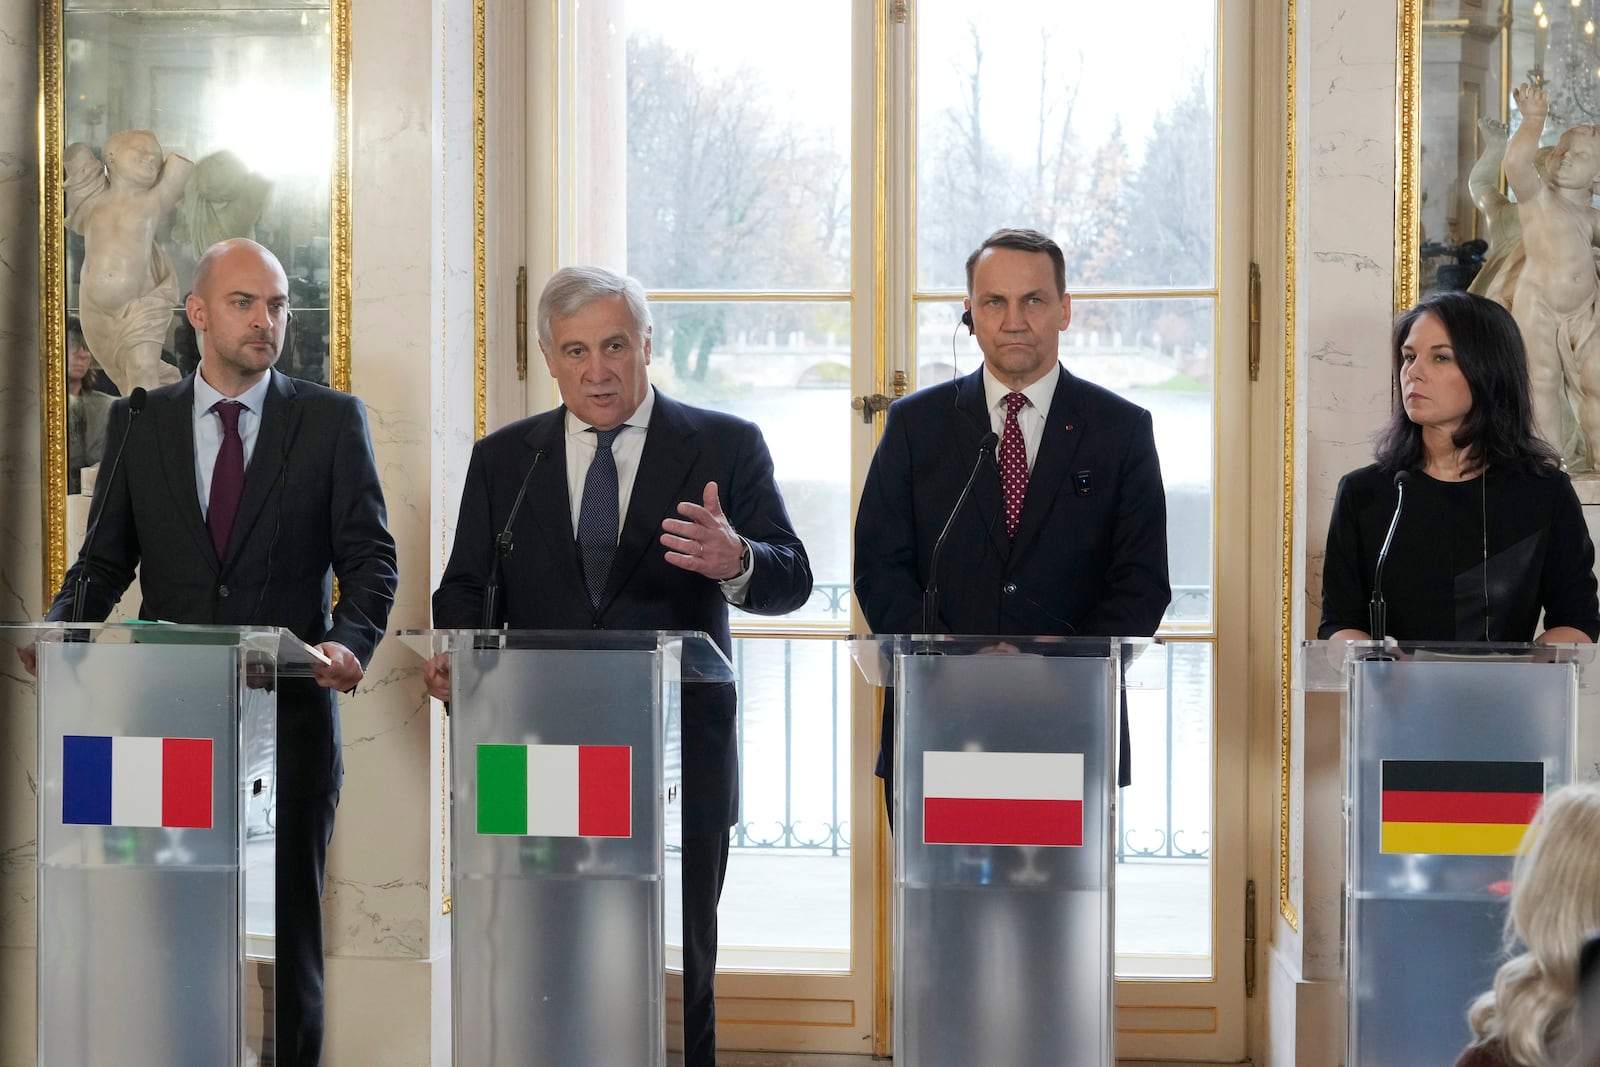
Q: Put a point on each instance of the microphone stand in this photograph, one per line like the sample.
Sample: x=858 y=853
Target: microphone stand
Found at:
x=80 y=583
x=1377 y=610
x=502 y=550
x=930 y=595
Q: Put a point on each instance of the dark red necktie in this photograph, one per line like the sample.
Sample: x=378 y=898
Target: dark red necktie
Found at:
x=1013 y=463
x=227 y=477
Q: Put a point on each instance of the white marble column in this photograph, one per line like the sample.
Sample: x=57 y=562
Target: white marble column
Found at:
x=388 y=968
x=21 y=524
x=1345 y=144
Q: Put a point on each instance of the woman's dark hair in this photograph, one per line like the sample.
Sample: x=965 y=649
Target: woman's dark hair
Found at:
x=1498 y=430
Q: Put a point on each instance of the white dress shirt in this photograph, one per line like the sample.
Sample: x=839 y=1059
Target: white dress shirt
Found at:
x=626 y=449
x=1031 y=419
x=208 y=429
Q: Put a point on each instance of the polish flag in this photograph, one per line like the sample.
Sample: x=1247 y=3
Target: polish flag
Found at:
x=555 y=790
x=136 y=781
x=1002 y=798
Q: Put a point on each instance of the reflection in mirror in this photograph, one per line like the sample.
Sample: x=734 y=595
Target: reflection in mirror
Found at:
x=174 y=128
x=246 y=96
x=89 y=395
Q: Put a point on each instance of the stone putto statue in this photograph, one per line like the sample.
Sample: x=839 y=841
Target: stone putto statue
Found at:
x=127 y=290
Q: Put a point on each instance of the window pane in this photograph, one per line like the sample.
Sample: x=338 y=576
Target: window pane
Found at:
x=1156 y=353
x=1093 y=122
x=737 y=152
x=1164 y=823
x=786 y=902
x=786 y=367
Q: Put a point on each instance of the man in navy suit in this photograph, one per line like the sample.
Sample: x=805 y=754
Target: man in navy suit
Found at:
x=1068 y=538
x=303 y=506
x=641 y=513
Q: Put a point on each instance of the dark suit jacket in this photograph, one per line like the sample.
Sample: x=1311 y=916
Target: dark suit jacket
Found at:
x=542 y=585
x=312 y=510
x=1090 y=554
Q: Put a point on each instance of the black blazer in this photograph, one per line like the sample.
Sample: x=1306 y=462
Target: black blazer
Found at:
x=312 y=510
x=542 y=587
x=1090 y=554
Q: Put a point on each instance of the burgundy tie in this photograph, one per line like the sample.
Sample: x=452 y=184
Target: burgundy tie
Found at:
x=227 y=477
x=1013 y=463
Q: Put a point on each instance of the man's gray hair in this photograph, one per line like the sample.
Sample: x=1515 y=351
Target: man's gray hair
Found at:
x=571 y=289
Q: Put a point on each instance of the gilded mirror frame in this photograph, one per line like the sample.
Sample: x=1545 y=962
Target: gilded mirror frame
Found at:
x=1411 y=30
x=53 y=260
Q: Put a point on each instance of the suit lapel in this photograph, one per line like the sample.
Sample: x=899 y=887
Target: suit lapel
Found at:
x=974 y=423
x=669 y=451
x=174 y=418
x=1063 y=431
x=267 y=459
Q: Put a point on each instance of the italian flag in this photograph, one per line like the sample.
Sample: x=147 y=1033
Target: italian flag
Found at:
x=555 y=790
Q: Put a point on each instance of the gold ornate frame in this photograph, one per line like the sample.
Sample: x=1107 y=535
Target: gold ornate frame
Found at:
x=52 y=266
x=1408 y=151
x=1286 y=906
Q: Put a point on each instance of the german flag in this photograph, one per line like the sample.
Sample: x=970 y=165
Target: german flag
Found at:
x=1458 y=807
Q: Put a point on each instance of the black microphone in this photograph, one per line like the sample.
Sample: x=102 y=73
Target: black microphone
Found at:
x=503 y=546
x=80 y=585
x=930 y=596
x=1376 y=609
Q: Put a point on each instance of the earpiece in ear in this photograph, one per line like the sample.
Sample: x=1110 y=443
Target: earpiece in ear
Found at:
x=966 y=320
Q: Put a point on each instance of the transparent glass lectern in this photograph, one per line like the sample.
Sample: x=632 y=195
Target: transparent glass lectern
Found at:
x=563 y=754
x=1005 y=784
x=1448 y=750
x=147 y=735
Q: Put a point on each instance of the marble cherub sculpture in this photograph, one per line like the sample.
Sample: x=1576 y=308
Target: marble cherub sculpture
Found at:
x=1556 y=301
x=127 y=290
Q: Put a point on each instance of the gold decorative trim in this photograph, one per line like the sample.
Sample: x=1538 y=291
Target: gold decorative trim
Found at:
x=1286 y=906
x=1408 y=153
x=480 y=187
x=52 y=283
x=339 y=202
x=882 y=840
x=52 y=265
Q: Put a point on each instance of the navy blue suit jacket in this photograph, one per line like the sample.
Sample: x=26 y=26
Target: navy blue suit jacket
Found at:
x=542 y=586
x=1090 y=553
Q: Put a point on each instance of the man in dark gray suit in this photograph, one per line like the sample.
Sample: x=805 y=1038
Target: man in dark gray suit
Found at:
x=242 y=494
x=644 y=514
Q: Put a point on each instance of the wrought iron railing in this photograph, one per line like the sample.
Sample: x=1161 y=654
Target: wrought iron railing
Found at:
x=789 y=828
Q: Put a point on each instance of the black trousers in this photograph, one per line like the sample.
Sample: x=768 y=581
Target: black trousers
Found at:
x=310 y=773
x=304 y=827
x=705 y=866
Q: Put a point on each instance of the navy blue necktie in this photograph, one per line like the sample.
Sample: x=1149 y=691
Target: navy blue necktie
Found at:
x=597 y=515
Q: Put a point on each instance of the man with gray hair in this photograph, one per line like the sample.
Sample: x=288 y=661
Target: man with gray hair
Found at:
x=641 y=513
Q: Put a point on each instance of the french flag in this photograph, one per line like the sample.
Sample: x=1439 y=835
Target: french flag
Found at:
x=136 y=781
x=1002 y=798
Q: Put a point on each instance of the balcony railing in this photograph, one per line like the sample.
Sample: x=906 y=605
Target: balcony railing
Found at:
x=784 y=688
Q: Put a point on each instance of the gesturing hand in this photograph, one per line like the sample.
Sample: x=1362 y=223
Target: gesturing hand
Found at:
x=703 y=540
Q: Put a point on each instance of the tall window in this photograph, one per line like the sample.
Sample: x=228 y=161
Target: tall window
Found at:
x=1098 y=125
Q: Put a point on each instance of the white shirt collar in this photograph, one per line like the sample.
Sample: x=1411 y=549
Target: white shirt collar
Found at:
x=639 y=418
x=253 y=398
x=1039 y=394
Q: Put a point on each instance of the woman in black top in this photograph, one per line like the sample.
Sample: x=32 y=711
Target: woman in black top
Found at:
x=1491 y=533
